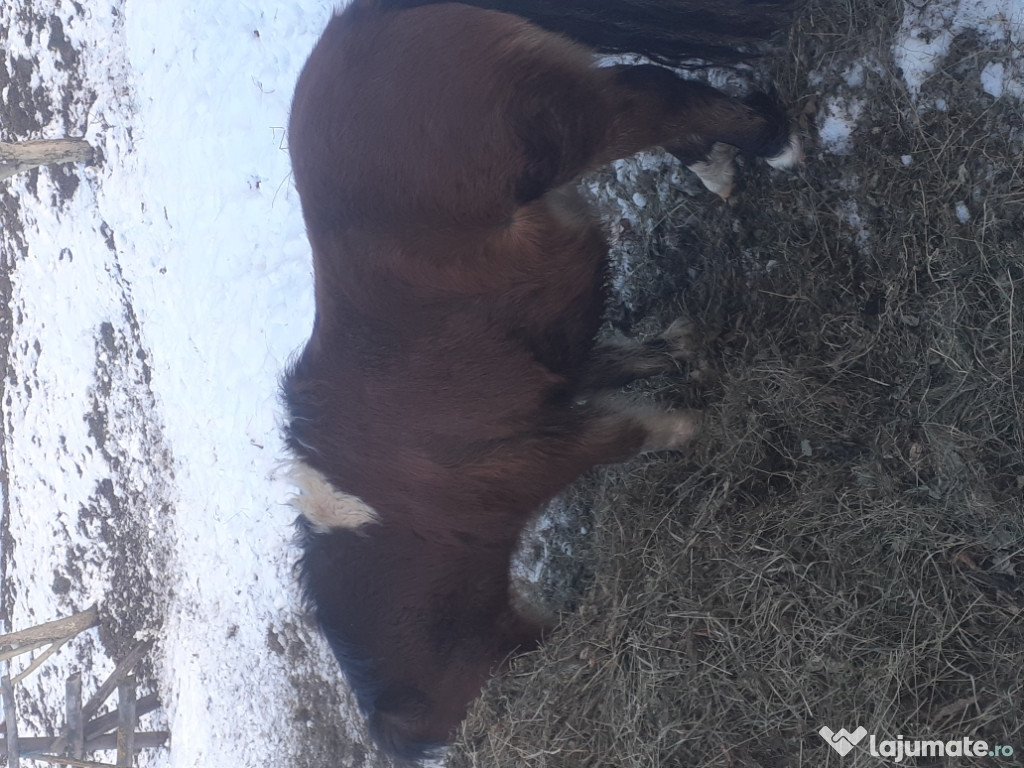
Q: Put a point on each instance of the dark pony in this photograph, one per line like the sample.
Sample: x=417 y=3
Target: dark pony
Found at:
x=452 y=383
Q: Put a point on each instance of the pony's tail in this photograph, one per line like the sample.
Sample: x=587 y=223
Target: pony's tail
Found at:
x=674 y=32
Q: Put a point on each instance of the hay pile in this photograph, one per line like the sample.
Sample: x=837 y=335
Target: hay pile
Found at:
x=846 y=545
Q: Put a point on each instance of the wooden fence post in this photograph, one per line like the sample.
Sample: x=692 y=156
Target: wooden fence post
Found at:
x=10 y=715
x=85 y=732
x=126 y=722
x=73 y=710
x=17 y=643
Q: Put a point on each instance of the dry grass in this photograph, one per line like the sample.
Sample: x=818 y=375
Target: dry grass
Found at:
x=846 y=546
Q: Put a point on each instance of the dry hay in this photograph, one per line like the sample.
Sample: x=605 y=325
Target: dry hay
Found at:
x=846 y=546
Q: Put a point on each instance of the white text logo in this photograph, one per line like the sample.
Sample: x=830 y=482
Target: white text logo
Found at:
x=842 y=741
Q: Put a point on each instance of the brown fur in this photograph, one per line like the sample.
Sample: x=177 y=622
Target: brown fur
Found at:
x=452 y=382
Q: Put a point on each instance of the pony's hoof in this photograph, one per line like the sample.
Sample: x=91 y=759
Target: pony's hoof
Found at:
x=682 y=340
x=718 y=172
x=673 y=430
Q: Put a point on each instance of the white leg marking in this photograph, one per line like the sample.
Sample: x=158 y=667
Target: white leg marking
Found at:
x=790 y=156
x=683 y=339
x=324 y=505
x=718 y=171
x=671 y=430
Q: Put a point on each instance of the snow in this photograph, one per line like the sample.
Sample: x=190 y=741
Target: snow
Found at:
x=210 y=274
x=992 y=78
x=837 y=124
x=928 y=30
x=923 y=43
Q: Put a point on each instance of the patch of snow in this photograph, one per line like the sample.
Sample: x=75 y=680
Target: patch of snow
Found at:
x=837 y=122
x=854 y=75
x=992 y=79
x=928 y=30
x=849 y=213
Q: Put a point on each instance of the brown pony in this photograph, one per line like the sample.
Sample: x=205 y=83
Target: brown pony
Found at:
x=452 y=383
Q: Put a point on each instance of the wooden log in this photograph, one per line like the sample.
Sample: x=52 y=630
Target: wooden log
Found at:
x=26 y=155
x=58 y=760
x=10 y=653
x=145 y=740
x=97 y=730
x=126 y=722
x=103 y=693
x=29 y=639
x=108 y=722
x=10 y=716
x=30 y=744
x=42 y=657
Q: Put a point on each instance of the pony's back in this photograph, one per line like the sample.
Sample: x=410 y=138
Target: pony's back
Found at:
x=673 y=32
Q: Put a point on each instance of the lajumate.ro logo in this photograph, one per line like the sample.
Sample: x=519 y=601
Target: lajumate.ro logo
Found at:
x=843 y=741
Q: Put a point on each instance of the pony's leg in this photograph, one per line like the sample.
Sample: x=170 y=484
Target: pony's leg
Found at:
x=617 y=362
x=591 y=116
x=616 y=429
x=666 y=430
x=651 y=106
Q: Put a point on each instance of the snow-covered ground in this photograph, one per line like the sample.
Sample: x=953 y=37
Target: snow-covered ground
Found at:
x=185 y=243
x=929 y=28
x=153 y=311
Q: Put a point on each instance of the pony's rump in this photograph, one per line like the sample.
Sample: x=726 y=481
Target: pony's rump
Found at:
x=673 y=32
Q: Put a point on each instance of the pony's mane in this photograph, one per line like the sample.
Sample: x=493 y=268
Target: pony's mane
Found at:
x=371 y=693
